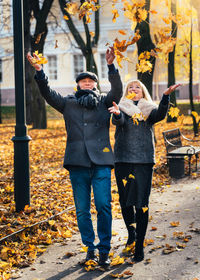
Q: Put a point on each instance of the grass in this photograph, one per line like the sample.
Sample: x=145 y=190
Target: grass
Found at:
x=8 y=113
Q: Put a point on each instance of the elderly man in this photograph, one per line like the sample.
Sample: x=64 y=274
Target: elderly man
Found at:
x=88 y=154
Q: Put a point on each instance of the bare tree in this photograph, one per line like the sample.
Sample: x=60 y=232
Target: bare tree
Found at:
x=86 y=46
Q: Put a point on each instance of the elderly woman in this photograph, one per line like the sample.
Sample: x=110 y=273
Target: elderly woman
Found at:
x=134 y=156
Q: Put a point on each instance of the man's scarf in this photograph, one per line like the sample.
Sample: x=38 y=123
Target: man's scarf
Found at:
x=88 y=98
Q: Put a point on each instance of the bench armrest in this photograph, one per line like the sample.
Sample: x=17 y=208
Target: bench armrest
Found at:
x=191 y=140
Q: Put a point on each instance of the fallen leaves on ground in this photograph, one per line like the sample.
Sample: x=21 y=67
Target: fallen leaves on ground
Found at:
x=51 y=193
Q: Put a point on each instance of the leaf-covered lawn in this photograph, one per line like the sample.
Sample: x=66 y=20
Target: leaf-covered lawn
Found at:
x=51 y=192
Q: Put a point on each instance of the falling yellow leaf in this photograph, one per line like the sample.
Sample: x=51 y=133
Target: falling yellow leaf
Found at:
x=115 y=15
x=56 y=44
x=66 y=17
x=124 y=182
x=131 y=176
x=122 y=32
x=38 y=38
x=153 y=12
x=145 y=209
x=173 y=112
x=131 y=95
x=92 y=34
x=106 y=150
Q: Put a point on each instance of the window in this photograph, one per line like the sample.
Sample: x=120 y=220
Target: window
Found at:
x=104 y=69
x=52 y=67
x=1 y=72
x=78 y=64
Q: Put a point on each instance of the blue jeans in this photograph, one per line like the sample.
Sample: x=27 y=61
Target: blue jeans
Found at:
x=99 y=177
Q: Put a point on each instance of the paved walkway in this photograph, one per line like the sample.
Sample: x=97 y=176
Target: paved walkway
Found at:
x=178 y=203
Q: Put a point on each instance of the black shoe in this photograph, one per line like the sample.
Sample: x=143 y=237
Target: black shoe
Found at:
x=91 y=256
x=139 y=253
x=104 y=259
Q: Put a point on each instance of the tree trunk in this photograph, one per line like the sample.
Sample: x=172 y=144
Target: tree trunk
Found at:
x=171 y=66
x=145 y=44
x=35 y=104
x=195 y=125
x=38 y=103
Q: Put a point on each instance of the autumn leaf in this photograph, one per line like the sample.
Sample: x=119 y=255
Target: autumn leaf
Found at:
x=66 y=17
x=117 y=275
x=84 y=249
x=131 y=95
x=153 y=12
x=131 y=176
x=40 y=59
x=144 y=66
x=153 y=228
x=56 y=44
x=168 y=249
x=145 y=209
x=117 y=260
x=175 y=224
x=124 y=182
x=122 y=32
x=89 y=267
x=173 y=112
x=38 y=38
x=106 y=150
x=91 y=263
x=72 y=8
x=92 y=34
x=115 y=15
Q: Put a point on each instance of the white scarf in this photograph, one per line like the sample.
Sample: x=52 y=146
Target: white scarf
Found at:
x=141 y=111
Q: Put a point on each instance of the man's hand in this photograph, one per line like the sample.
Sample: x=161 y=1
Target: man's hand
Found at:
x=33 y=61
x=172 y=88
x=114 y=109
x=110 y=55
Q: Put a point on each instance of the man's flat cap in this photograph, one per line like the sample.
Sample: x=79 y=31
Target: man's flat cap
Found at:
x=86 y=74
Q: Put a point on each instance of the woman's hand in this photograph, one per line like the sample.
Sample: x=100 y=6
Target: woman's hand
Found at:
x=114 y=109
x=33 y=61
x=110 y=55
x=172 y=88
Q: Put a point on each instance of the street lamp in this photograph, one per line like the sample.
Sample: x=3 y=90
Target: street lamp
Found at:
x=21 y=139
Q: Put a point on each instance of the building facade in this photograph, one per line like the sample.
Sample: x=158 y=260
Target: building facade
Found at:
x=66 y=60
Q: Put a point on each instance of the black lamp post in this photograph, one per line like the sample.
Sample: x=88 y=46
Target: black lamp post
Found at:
x=21 y=139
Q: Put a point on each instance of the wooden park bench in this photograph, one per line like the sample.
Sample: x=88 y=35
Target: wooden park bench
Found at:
x=177 y=152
